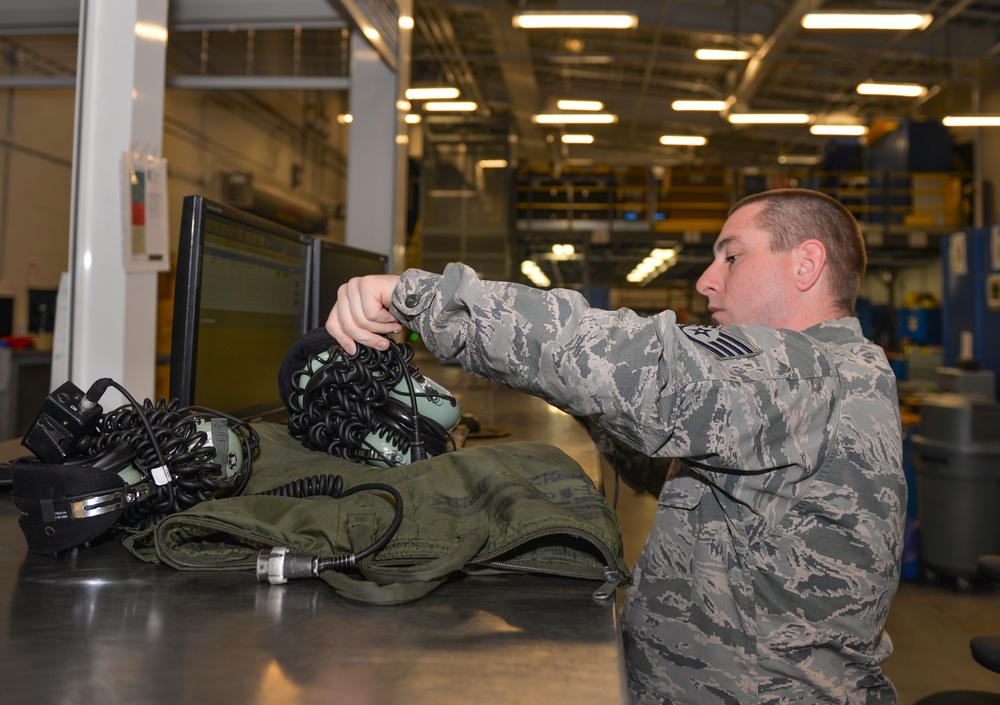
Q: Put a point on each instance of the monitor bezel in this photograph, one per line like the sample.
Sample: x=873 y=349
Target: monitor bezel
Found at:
x=188 y=286
x=320 y=247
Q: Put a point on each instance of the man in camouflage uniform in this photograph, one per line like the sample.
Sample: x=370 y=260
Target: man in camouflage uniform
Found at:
x=774 y=556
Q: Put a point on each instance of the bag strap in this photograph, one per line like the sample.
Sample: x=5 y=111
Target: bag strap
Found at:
x=388 y=585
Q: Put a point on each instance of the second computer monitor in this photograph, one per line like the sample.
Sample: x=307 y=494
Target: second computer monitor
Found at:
x=333 y=265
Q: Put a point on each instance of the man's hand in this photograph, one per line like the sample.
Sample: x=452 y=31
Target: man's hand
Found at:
x=361 y=313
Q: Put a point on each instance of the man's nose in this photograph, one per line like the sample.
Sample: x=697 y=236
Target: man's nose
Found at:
x=708 y=282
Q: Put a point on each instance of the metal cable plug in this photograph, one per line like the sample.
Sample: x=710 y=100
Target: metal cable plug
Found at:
x=279 y=564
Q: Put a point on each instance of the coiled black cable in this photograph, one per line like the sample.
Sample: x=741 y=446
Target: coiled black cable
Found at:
x=278 y=564
x=387 y=535
x=338 y=399
x=416 y=442
x=333 y=486
x=312 y=486
x=166 y=435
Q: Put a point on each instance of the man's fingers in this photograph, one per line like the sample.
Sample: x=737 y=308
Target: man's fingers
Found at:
x=360 y=314
x=346 y=328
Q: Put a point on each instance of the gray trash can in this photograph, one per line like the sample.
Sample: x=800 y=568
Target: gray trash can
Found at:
x=956 y=456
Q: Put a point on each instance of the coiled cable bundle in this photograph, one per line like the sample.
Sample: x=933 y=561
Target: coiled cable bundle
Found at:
x=312 y=486
x=336 y=397
x=373 y=406
x=123 y=470
x=191 y=453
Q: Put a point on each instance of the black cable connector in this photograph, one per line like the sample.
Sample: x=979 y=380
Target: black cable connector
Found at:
x=94 y=394
x=279 y=564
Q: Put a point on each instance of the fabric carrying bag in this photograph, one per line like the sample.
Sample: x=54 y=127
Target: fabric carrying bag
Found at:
x=510 y=507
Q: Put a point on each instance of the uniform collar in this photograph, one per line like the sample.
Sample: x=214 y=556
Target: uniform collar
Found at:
x=837 y=330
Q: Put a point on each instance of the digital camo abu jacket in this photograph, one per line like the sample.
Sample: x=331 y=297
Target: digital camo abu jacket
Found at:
x=774 y=555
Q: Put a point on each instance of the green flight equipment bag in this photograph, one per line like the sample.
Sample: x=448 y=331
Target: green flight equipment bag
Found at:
x=510 y=507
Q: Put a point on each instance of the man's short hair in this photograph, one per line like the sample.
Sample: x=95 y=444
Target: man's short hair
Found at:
x=794 y=215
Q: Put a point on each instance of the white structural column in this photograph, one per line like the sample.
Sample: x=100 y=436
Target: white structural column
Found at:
x=120 y=92
x=376 y=160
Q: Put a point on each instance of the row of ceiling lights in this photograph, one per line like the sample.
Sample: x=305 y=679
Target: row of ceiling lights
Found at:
x=560 y=252
x=659 y=260
x=588 y=112
x=441 y=99
x=825 y=19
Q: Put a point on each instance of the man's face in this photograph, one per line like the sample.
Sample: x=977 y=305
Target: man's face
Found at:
x=747 y=283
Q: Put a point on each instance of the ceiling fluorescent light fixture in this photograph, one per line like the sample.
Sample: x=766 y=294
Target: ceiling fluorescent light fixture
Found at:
x=492 y=163
x=653 y=265
x=532 y=271
x=582 y=105
x=151 y=31
x=432 y=93
x=721 y=55
x=971 y=120
x=683 y=140
x=712 y=106
x=561 y=251
x=866 y=20
x=574 y=118
x=839 y=130
x=800 y=159
x=902 y=90
x=412 y=119
x=768 y=118
x=575 y=20
x=452 y=106
x=577 y=139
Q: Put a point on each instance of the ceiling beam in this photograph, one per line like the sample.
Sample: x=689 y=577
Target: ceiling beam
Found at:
x=437 y=30
x=520 y=81
x=756 y=68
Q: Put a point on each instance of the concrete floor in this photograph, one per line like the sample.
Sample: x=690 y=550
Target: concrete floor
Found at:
x=930 y=624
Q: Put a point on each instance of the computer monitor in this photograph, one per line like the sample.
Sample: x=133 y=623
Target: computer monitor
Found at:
x=241 y=300
x=333 y=265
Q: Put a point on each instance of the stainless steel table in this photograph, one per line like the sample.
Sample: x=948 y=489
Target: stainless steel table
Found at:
x=96 y=625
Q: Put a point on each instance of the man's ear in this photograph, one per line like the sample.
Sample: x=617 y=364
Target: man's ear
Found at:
x=809 y=264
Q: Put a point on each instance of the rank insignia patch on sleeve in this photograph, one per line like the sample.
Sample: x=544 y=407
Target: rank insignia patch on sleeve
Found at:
x=718 y=342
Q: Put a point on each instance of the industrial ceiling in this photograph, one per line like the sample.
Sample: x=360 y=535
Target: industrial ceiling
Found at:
x=513 y=74
x=638 y=72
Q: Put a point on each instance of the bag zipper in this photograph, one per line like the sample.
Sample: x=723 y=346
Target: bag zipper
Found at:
x=611 y=575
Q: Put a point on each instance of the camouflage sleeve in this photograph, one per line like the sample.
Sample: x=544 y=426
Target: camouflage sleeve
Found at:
x=550 y=344
x=639 y=471
x=736 y=398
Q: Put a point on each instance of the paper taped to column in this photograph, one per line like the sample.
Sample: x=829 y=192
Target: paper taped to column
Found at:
x=145 y=237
